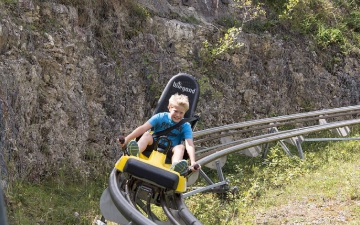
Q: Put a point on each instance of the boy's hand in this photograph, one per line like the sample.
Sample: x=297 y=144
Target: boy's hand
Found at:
x=195 y=166
x=121 y=141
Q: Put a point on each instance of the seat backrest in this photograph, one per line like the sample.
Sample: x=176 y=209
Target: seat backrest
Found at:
x=181 y=83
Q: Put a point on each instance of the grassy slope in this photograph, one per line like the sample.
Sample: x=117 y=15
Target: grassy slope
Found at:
x=330 y=195
x=323 y=189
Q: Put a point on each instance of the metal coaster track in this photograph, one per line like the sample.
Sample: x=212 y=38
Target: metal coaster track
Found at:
x=279 y=121
x=276 y=137
x=124 y=197
x=263 y=125
x=127 y=204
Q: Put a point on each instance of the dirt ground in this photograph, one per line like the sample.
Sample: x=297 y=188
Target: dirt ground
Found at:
x=311 y=212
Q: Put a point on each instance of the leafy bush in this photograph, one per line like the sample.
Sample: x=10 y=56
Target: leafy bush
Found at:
x=225 y=44
x=138 y=12
x=190 y=19
x=228 y=22
x=328 y=36
x=330 y=22
x=353 y=21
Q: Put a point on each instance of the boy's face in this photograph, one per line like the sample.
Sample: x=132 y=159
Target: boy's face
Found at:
x=177 y=112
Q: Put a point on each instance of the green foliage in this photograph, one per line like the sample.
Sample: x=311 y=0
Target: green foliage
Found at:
x=324 y=21
x=74 y=3
x=228 y=22
x=329 y=36
x=331 y=23
x=139 y=15
x=8 y=2
x=306 y=105
x=207 y=88
x=278 y=5
x=225 y=44
x=353 y=21
x=70 y=196
x=54 y=202
x=138 y=12
x=49 y=25
x=257 y=178
x=190 y=19
x=250 y=11
x=347 y=4
x=221 y=49
x=259 y=26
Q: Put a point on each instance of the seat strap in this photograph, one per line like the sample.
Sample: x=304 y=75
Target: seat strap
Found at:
x=163 y=132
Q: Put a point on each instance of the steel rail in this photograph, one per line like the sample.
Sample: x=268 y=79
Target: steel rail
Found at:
x=121 y=203
x=270 y=125
x=277 y=137
x=184 y=212
x=207 y=151
x=3 y=217
x=127 y=209
x=167 y=211
x=136 y=217
x=331 y=139
x=233 y=126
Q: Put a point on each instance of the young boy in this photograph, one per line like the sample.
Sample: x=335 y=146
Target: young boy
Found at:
x=178 y=105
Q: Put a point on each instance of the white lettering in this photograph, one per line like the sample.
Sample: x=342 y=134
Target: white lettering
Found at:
x=178 y=85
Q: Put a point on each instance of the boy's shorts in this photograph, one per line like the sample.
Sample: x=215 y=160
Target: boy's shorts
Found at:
x=147 y=152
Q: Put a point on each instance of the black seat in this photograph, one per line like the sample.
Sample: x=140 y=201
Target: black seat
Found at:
x=185 y=84
x=181 y=83
x=151 y=173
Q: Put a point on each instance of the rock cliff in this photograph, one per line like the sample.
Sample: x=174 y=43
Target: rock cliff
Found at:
x=75 y=76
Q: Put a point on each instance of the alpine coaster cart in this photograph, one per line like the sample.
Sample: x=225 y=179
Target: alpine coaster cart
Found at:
x=138 y=183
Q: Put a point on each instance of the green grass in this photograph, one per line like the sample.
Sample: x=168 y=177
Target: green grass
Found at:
x=331 y=24
x=332 y=188
x=54 y=202
x=323 y=188
x=320 y=189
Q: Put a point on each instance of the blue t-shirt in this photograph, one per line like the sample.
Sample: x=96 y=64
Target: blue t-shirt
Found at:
x=162 y=121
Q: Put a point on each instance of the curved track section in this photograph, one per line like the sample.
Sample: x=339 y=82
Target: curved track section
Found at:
x=128 y=200
x=276 y=137
x=127 y=203
x=278 y=121
x=121 y=203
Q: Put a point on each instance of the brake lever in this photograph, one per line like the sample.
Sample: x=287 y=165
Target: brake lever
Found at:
x=122 y=141
x=196 y=167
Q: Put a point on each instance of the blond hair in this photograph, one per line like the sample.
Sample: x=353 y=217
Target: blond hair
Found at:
x=181 y=100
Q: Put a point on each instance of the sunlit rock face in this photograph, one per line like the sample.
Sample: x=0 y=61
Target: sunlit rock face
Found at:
x=74 y=77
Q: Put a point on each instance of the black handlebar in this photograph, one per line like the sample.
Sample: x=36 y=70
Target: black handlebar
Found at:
x=196 y=167
x=122 y=139
x=167 y=147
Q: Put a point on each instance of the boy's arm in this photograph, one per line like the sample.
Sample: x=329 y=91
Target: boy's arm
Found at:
x=190 y=148
x=138 y=132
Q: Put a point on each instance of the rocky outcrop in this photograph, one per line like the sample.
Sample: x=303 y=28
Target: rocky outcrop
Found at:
x=73 y=78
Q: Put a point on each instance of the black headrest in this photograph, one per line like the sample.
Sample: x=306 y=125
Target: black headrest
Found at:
x=181 y=83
